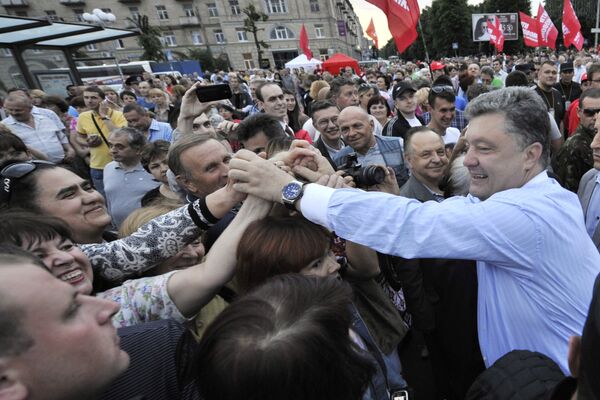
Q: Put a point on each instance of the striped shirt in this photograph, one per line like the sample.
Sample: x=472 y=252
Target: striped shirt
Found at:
x=536 y=263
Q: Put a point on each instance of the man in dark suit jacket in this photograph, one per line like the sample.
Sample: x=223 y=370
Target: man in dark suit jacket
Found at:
x=440 y=294
x=324 y=116
x=589 y=192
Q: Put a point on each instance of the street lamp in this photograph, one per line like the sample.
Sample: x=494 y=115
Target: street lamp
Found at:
x=102 y=18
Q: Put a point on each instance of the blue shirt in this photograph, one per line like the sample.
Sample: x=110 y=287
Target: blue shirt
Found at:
x=159 y=131
x=592 y=215
x=536 y=264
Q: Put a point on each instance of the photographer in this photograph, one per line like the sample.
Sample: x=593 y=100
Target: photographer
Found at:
x=357 y=132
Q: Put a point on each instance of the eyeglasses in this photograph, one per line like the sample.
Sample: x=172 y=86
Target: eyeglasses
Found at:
x=590 y=112
x=17 y=170
x=441 y=89
x=324 y=123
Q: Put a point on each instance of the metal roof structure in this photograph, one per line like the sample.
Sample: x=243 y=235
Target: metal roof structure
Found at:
x=20 y=33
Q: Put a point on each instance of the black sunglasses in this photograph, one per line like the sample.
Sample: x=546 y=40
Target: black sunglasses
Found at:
x=590 y=112
x=17 y=170
x=444 y=88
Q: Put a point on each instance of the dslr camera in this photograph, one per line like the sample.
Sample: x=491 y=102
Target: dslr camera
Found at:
x=364 y=177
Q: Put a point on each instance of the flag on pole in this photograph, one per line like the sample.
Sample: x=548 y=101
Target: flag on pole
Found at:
x=403 y=17
x=548 y=32
x=304 y=43
x=571 y=27
x=372 y=34
x=496 y=34
x=530 y=29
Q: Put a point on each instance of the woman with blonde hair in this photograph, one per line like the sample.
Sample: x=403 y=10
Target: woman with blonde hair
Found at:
x=37 y=97
x=163 y=110
x=313 y=92
x=112 y=98
x=422 y=103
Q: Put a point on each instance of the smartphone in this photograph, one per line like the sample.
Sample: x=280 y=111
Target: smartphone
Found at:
x=213 y=92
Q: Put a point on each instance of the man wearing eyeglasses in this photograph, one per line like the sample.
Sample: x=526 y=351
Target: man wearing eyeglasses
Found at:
x=575 y=156
x=325 y=115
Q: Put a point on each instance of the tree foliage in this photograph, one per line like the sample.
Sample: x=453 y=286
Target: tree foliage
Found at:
x=149 y=39
x=253 y=16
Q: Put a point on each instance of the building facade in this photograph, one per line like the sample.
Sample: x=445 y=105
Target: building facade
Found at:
x=332 y=27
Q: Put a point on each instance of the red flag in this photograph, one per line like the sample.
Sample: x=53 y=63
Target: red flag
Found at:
x=571 y=27
x=403 y=16
x=304 y=43
x=372 y=34
x=548 y=32
x=496 y=34
x=530 y=30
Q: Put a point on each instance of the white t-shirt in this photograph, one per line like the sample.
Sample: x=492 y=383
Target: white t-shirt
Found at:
x=451 y=136
x=414 y=121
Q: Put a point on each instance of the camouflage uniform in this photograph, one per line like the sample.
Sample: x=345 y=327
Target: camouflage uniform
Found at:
x=574 y=158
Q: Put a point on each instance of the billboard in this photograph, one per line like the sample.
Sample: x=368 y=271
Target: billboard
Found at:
x=509 y=22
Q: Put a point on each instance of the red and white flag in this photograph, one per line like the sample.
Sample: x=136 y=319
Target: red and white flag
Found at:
x=372 y=34
x=496 y=34
x=571 y=27
x=403 y=17
x=530 y=29
x=547 y=31
x=304 y=43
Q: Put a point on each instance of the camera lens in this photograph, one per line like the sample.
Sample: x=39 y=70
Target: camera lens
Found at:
x=372 y=175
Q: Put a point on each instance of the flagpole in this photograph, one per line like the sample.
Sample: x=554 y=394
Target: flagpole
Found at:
x=597 y=20
x=424 y=44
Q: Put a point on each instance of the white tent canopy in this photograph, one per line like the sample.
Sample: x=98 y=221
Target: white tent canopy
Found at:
x=302 y=61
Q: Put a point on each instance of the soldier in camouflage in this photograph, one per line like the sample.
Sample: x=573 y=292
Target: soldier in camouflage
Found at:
x=575 y=156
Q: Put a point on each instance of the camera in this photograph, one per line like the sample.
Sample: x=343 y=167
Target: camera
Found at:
x=213 y=92
x=364 y=177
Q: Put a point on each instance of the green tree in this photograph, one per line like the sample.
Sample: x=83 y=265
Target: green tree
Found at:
x=204 y=57
x=149 y=39
x=253 y=16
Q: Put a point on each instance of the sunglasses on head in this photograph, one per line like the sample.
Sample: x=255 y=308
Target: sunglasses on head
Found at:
x=440 y=89
x=17 y=170
x=590 y=112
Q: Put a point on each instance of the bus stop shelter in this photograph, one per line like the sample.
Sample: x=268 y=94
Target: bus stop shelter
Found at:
x=20 y=33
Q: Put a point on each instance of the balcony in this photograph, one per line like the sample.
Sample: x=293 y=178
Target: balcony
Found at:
x=189 y=21
x=72 y=2
x=14 y=3
x=130 y=1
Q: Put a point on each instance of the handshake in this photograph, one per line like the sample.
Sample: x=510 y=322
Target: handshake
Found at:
x=254 y=175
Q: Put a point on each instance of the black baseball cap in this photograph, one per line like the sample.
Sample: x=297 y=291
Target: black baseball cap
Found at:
x=402 y=87
x=566 y=67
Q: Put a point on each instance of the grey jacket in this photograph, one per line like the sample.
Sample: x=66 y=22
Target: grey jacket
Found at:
x=586 y=188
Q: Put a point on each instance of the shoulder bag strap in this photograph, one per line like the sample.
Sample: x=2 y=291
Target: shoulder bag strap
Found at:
x=100 y=131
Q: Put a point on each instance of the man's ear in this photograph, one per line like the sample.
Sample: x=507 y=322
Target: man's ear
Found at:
x=11 y=387
x=533 y=152
x=574 y=357
x=185 y=183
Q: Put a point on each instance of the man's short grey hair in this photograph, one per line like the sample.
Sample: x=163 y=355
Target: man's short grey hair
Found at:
x=18 y=98
x=135 y=137
x=526 y=117
x=177 y=148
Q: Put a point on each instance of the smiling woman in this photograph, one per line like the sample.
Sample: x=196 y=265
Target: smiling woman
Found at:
x=51 y=190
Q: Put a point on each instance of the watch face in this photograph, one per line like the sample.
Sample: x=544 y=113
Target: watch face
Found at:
x=291 y=190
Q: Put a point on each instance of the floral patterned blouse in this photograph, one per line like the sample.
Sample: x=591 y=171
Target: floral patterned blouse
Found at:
x=143 y=300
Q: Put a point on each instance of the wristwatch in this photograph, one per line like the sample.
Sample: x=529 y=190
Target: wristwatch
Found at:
x=291 y=193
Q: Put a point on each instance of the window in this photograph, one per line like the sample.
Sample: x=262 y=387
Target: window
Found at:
x=21 y=13
x=78 y=15
x=235 y=7
x=52 y=15
x=323 y=54
x=248 y=61
x=319 y=31
x=314 y=6
x=276 y=6
x=212 y=10
x=162 y=12
x=106 y=10
x=135 y=12
x=219 y=36
x=169 y=38
x=91 y=47
x=188 y=10
x=281 y=33
x=241 y=35
x=119 y=44
x=196 y=38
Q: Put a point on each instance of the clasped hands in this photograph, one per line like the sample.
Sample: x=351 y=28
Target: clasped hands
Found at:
x=254 y=175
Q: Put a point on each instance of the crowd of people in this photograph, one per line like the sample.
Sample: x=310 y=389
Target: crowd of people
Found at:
x=412 y=231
